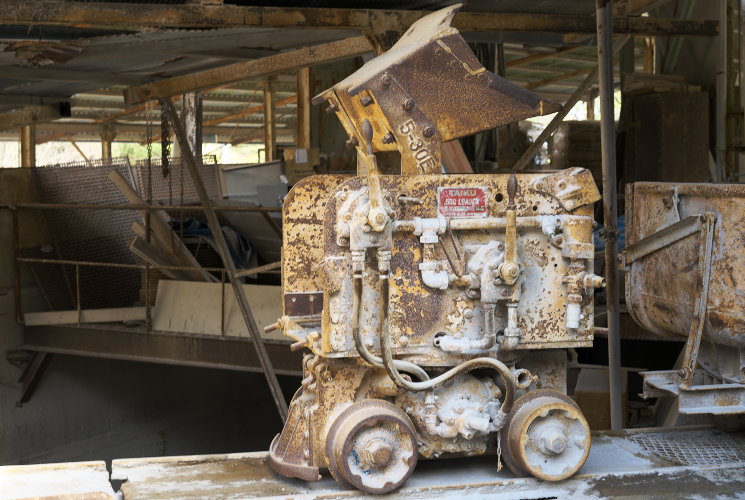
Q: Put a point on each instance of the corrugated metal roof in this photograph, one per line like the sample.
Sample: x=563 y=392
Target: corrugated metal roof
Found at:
x=165 y=53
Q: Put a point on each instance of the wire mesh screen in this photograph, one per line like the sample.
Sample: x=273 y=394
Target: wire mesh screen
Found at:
x=86 y=235
x=167 y=190
x=695 y=447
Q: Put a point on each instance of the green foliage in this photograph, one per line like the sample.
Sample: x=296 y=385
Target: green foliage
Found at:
x=134 y=150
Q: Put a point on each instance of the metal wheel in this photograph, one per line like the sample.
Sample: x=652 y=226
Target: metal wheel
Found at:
x=546 y=436
x=372 y=446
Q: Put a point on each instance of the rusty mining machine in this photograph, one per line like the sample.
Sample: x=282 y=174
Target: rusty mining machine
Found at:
x=438 y=309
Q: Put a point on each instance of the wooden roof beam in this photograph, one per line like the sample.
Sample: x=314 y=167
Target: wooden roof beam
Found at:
x=285 y=61
x=129 y=16
x=32 y=114
x=45 y=74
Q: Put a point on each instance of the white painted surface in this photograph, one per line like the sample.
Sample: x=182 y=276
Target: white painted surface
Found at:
x=34 y=481
x=194 y=307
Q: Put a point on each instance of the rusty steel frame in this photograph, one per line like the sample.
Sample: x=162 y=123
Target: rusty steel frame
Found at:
x=205 y=351
x=222 y=246
x=124 y=16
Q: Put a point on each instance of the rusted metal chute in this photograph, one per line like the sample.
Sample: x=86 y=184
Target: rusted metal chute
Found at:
x=431 y=304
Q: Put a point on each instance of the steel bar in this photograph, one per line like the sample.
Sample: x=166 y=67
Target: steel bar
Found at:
x=604 y=18
x=130 y=206
x=17 y=268
x=696 y=330
x=530 y=153
x=720 y=116
x=32 y=375
x=124 y=16
x=259 y=269
x=208 y=351
x=663 y=238
x=77 y=294
x=222 y=246
x=118 y=265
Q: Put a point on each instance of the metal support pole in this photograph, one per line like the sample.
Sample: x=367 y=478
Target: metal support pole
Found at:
x=604 y=20
x=721 y=97
x=303 y=108
x=222 y=246
x=28 y=145
x=191 y=105
x=270 y=127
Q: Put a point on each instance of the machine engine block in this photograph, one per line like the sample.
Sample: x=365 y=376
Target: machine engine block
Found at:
x=437 y=309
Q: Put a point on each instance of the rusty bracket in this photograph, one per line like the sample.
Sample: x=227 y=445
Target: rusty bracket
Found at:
x=663 y=238
x=704 y=225
x=697 y=326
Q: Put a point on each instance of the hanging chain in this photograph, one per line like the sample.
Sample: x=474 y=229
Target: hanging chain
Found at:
x=165 y=149
x=499 y=451
x=149 y=146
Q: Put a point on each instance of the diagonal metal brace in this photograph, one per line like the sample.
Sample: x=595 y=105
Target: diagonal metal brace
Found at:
x=220 y=243
x=699 y=315
x=704 y=225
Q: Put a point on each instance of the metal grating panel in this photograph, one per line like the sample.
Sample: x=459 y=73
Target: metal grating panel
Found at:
x=167 y=190
x=695 y=447
x=87 y=235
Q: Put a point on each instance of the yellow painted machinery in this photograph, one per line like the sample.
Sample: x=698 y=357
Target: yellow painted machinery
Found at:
x=437 y=309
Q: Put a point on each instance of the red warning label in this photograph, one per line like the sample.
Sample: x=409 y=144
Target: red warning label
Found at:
x=462 y=202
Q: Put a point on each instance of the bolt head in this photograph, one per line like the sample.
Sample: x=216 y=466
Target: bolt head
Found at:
x=366 y=100
x=380 y=453
x=556 y=443
x=429 y=131
x=380 y=218
x=385 y=79
x=388 y=138
x=409 y=104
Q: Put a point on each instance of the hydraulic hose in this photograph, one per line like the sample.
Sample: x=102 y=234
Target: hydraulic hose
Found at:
x=365 y=354
x=390 y=364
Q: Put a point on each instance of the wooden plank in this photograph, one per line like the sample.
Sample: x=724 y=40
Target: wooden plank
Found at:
x=32 y=114
x=194 y=307
x=45 y=74
x=110 y=315
x=64 y=481
x=152 y=254
x=265 y=66
x=162 y=230
x=455 y=159
x=127 y=16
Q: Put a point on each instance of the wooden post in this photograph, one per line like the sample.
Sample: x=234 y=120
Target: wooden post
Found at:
x=191 y=116
x=270 y=127
x=303 y=108
x=108 y=133
x=28 y=145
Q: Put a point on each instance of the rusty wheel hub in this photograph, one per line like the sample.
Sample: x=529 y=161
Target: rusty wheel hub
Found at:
x=372 y=446
x=546 y=436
